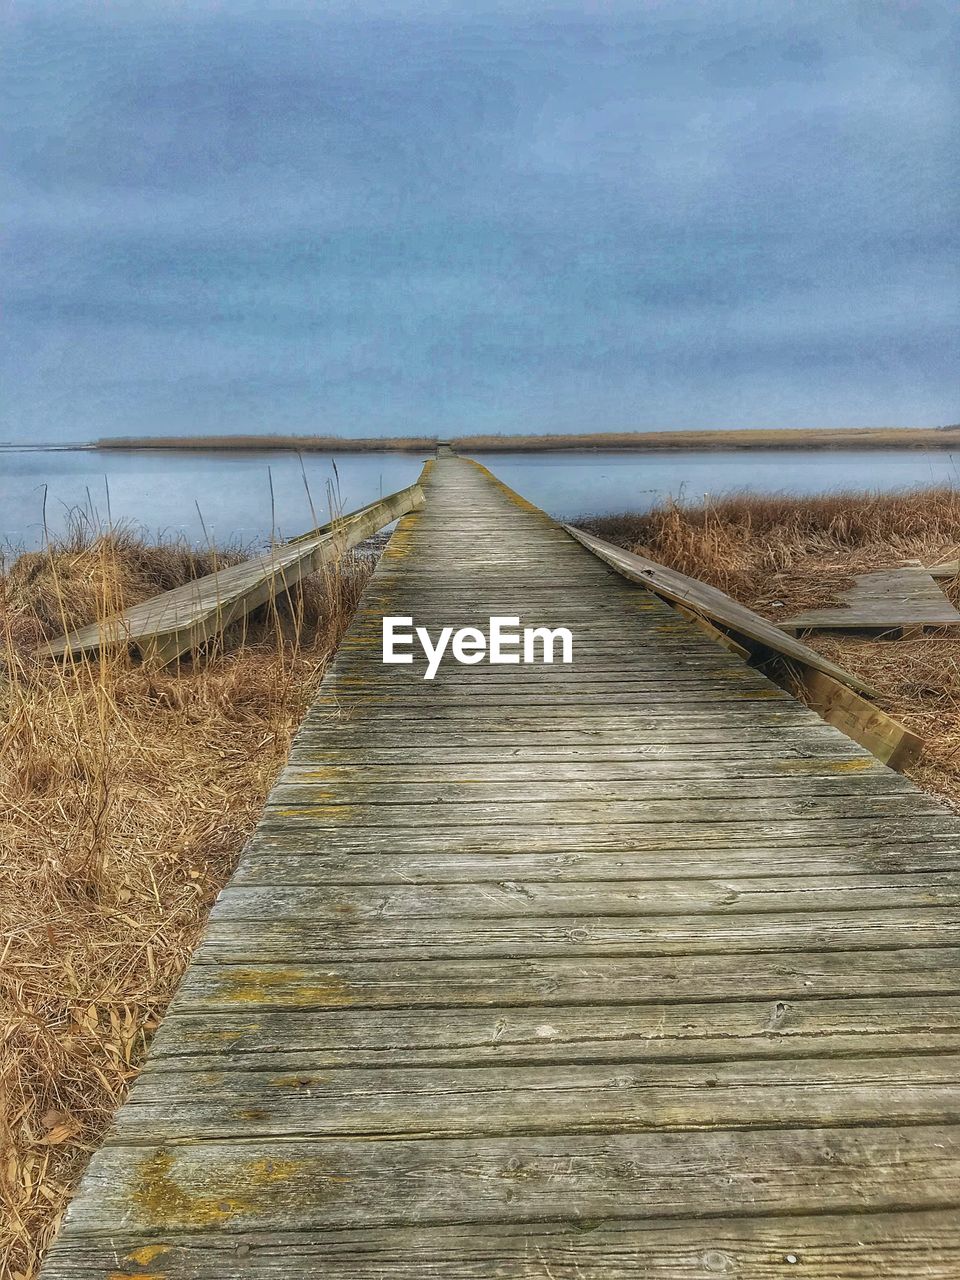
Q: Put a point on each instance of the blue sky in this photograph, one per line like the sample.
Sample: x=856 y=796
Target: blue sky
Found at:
x=367 y=218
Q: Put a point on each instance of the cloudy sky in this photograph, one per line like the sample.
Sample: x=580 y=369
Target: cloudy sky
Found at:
x=392 y=217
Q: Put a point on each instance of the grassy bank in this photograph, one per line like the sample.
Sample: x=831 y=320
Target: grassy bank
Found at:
x=257 y=444
x=721 y=441
x=642 y=441
x=780 y=555
x=127 y=792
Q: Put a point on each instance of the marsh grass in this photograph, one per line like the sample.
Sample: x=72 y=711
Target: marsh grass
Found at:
x=126 y=793
x=816 y=438
x=779 y=553
x=726 y=440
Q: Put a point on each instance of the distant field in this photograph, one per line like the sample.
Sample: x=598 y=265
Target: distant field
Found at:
x=645 y=441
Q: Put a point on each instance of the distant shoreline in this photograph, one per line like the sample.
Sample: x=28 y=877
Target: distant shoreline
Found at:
x=855 y=438
x=639 y=441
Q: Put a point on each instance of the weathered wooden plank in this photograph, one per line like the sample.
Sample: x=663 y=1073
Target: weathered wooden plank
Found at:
x=652 y=733
x=717 y=606
x=182 y=619
x=282 y=1184
x=223 y=1099
x=625 y=766
x=298 y=940
x=694 y=977
x=353 y=743
x=815 y=828
x=293 y=859
x=659 y=1032
x=606 y=814
x=570 y=680
x=796 y=747
x=899 y=1246
x=587 y=671
x=301 y=787
x=569 y=701
x=890 y=741
x=717 y=713
x=632 y=898
x=881 y=600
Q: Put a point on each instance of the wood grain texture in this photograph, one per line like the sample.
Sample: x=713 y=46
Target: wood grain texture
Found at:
x=623 y=1097
x=882 y=600
x=921 y=1245
x=629 y=968
x=714 y=604
x=916 y=974
x=535 y=1034
x=346 y=1183
x=886 y=739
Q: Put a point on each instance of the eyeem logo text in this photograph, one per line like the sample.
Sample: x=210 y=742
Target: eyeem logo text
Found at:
x=502 y=643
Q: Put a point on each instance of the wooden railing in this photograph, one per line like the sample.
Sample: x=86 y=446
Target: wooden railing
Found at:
x=186 y=617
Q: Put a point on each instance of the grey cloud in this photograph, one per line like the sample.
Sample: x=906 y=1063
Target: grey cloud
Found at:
x=512 y=216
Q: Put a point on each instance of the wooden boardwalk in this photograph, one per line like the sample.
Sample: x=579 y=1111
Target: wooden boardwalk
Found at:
x=628 y=968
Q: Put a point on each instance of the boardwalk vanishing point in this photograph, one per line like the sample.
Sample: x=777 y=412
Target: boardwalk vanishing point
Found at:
x=632 y=967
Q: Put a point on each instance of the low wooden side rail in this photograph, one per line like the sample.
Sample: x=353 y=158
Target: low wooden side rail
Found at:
x=181 y=620
x=835 y=694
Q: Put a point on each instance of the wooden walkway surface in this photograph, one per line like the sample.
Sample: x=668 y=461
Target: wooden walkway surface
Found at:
x=630 y=968
x=902 y=599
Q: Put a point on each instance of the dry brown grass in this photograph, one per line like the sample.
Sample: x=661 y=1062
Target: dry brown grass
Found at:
x=858 y=438
x=296 y=444
x=781 y=554
x=126 y=794
x=727 y=440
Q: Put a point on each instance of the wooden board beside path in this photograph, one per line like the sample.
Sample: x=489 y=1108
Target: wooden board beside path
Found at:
x=177 y=621
x=903 y=599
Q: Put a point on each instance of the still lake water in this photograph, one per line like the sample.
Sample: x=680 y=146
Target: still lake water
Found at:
x=167 y=492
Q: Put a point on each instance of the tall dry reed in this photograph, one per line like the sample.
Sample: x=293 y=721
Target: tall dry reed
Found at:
x=788 y=551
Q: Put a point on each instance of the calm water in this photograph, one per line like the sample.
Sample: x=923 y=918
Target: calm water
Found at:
x=169 y=492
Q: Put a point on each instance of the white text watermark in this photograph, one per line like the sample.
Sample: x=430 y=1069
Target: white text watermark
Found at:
x=503 y=643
